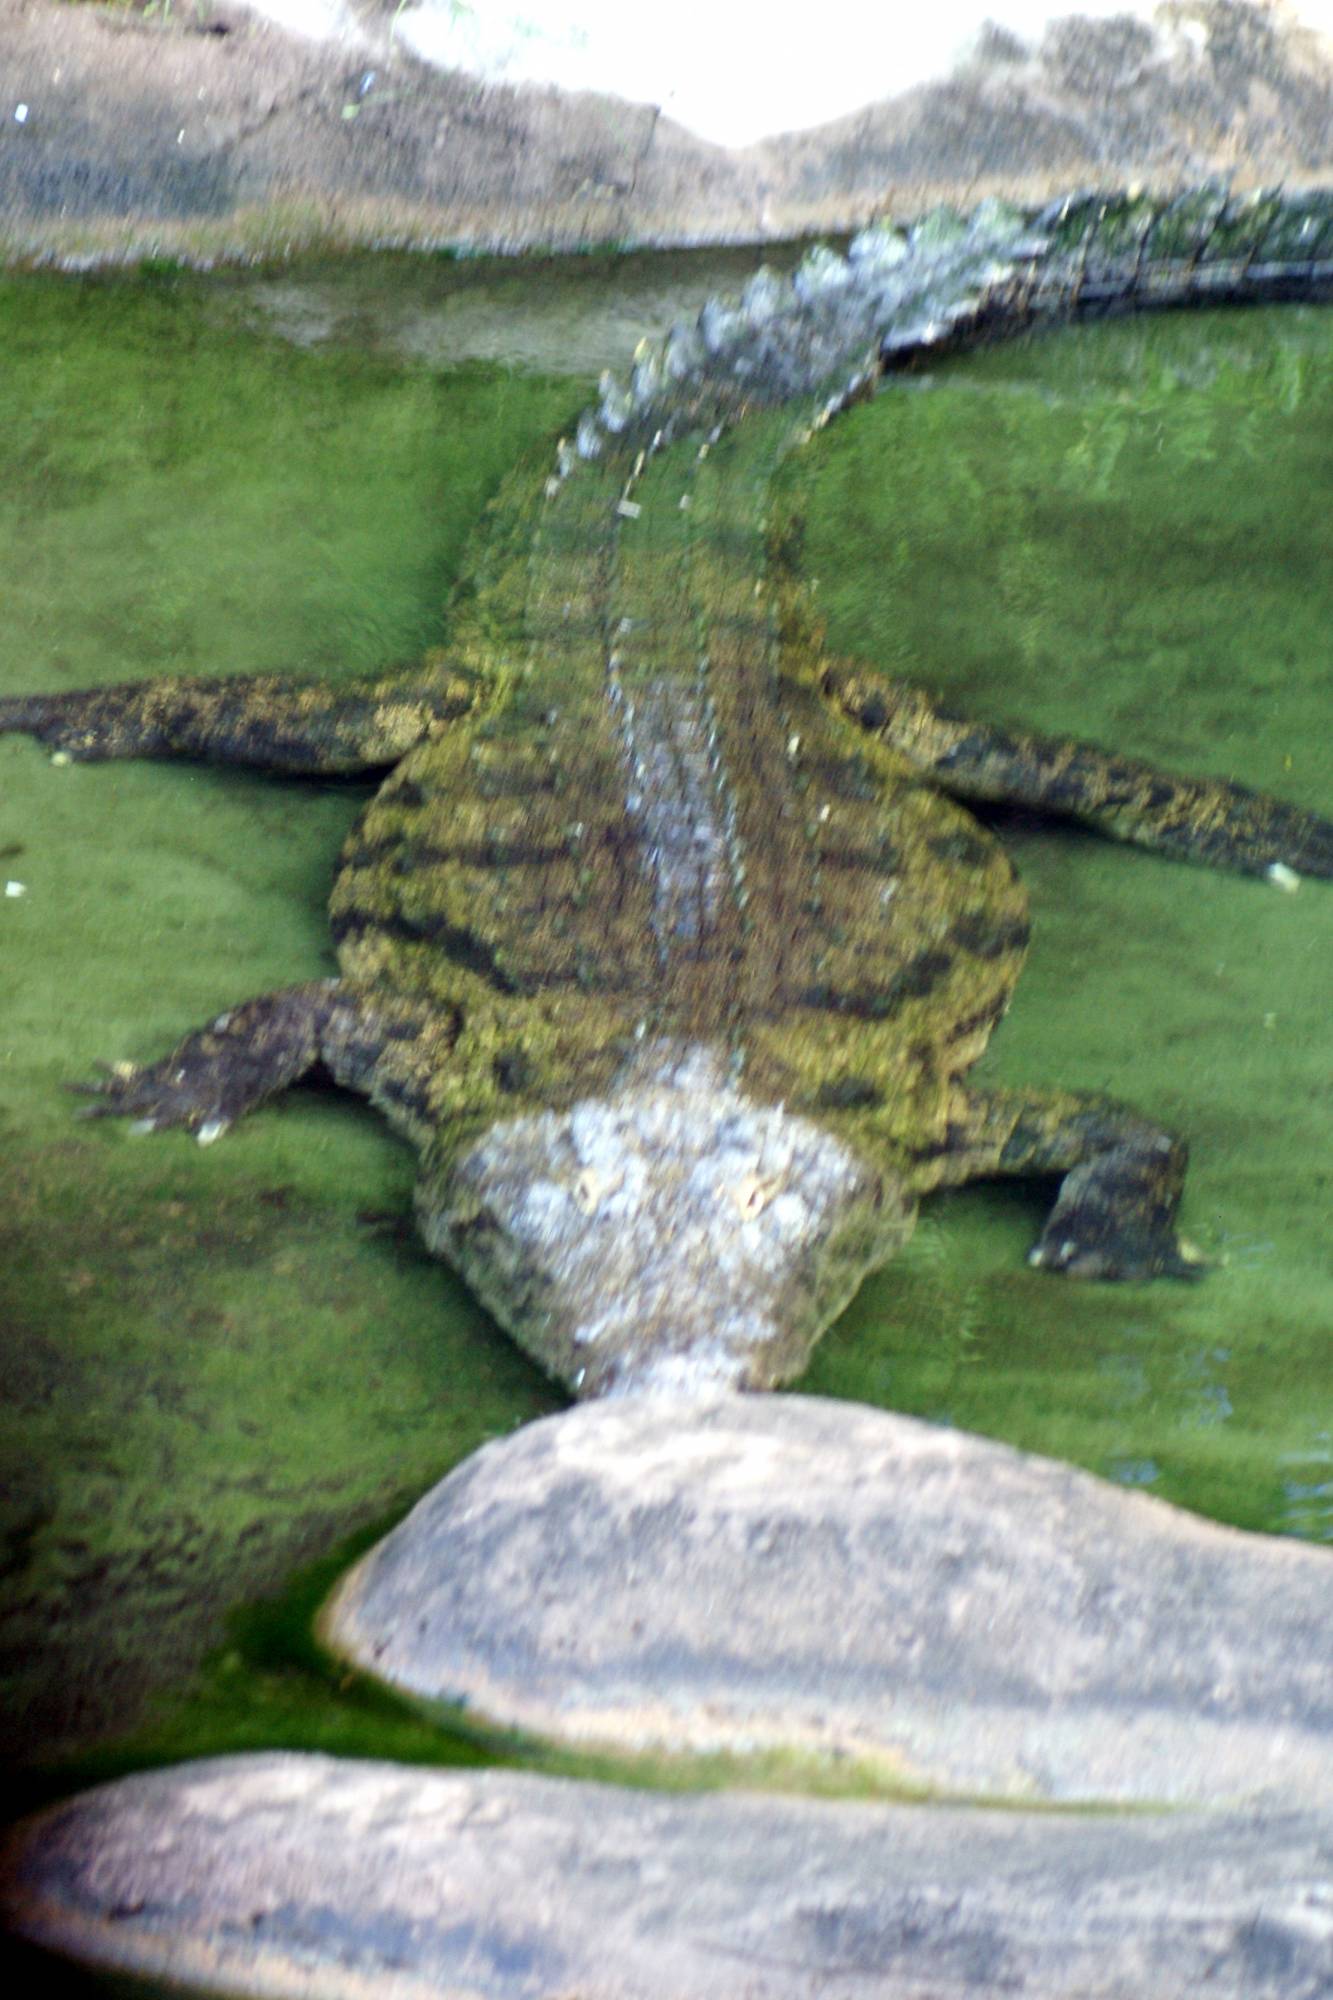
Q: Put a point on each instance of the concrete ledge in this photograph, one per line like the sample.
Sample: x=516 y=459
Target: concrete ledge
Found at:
x=208 y=134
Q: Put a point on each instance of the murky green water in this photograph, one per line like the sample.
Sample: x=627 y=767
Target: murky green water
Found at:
x=225 y=1369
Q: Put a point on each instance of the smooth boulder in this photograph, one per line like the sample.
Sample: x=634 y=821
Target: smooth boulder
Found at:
x=285 y=1875
x=865 y=1598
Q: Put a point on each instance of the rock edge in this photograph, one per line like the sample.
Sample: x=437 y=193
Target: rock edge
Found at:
x=286 y=1875
x=875 y=1600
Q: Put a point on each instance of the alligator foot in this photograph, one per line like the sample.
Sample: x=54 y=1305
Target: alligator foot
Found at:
x=220 y=1072
x=1114 y=1217
x=1115 y=1213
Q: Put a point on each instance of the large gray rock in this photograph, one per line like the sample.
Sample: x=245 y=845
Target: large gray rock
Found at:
x=840 y=1588
x=288 y=1875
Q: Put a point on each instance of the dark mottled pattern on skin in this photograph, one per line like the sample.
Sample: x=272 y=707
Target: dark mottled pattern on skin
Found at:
x=277 y=724
x=636 y=804
x=1208 y=820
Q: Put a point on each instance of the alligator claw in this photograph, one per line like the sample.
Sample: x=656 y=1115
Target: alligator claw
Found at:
x=155 y=1095
x=102 y=1089
x=1127 y=1255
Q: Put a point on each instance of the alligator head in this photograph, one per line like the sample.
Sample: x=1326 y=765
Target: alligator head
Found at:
x=673 y=1234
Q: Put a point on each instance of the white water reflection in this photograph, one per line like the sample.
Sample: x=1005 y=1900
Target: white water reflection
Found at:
x=1200 y=1391
x=1307 y=1490
x=1133 y=1471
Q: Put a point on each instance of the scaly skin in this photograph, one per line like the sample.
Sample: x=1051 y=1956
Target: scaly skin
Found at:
x=661 y=940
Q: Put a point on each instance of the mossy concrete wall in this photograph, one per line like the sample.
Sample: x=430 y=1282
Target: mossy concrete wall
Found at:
x=205 y=132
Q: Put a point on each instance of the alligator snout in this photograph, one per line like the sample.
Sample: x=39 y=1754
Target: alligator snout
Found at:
x=672 y=1235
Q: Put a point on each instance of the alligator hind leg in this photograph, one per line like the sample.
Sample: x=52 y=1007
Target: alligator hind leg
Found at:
x=1207 y=820
x=264 y=720
x=392 y=1050
x=1114 y=1215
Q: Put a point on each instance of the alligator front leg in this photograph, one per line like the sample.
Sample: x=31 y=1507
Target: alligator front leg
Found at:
x=263 y=720
x=1199 y=819
x=1115 y=1213
x=390 y=1049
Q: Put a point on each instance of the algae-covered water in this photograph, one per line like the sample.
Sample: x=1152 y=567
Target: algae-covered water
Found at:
x=225 y=1369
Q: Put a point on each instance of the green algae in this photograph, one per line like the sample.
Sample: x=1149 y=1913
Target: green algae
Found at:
x=221 y=1364
x=218 y=1363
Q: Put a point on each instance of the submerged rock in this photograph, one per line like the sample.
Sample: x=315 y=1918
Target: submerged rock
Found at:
x=861 y=1598
x=284 y=1875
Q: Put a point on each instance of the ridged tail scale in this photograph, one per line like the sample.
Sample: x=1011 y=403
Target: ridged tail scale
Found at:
x=836 y=322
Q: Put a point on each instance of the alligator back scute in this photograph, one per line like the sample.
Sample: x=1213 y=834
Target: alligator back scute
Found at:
x=500 y=868
x=904 y=959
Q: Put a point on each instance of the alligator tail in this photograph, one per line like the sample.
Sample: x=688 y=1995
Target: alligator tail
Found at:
x=1133 y=253
x=825 y=333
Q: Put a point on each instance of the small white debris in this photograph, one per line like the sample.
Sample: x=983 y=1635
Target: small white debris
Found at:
x=16 y=889
x=20 y=114
x=629 y=508
x=753 y=1193
x=143 y=1126
x=61 y=757
x=824 y=814
x=180 y=136
x=793 y=746
x=222 y=1023
x=685 y=503
x=1283 y=877
x=211 y=1129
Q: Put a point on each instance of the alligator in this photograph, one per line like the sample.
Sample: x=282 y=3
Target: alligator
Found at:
x=667 y=940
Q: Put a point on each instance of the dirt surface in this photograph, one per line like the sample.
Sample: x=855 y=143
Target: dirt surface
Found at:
x=208 y=133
